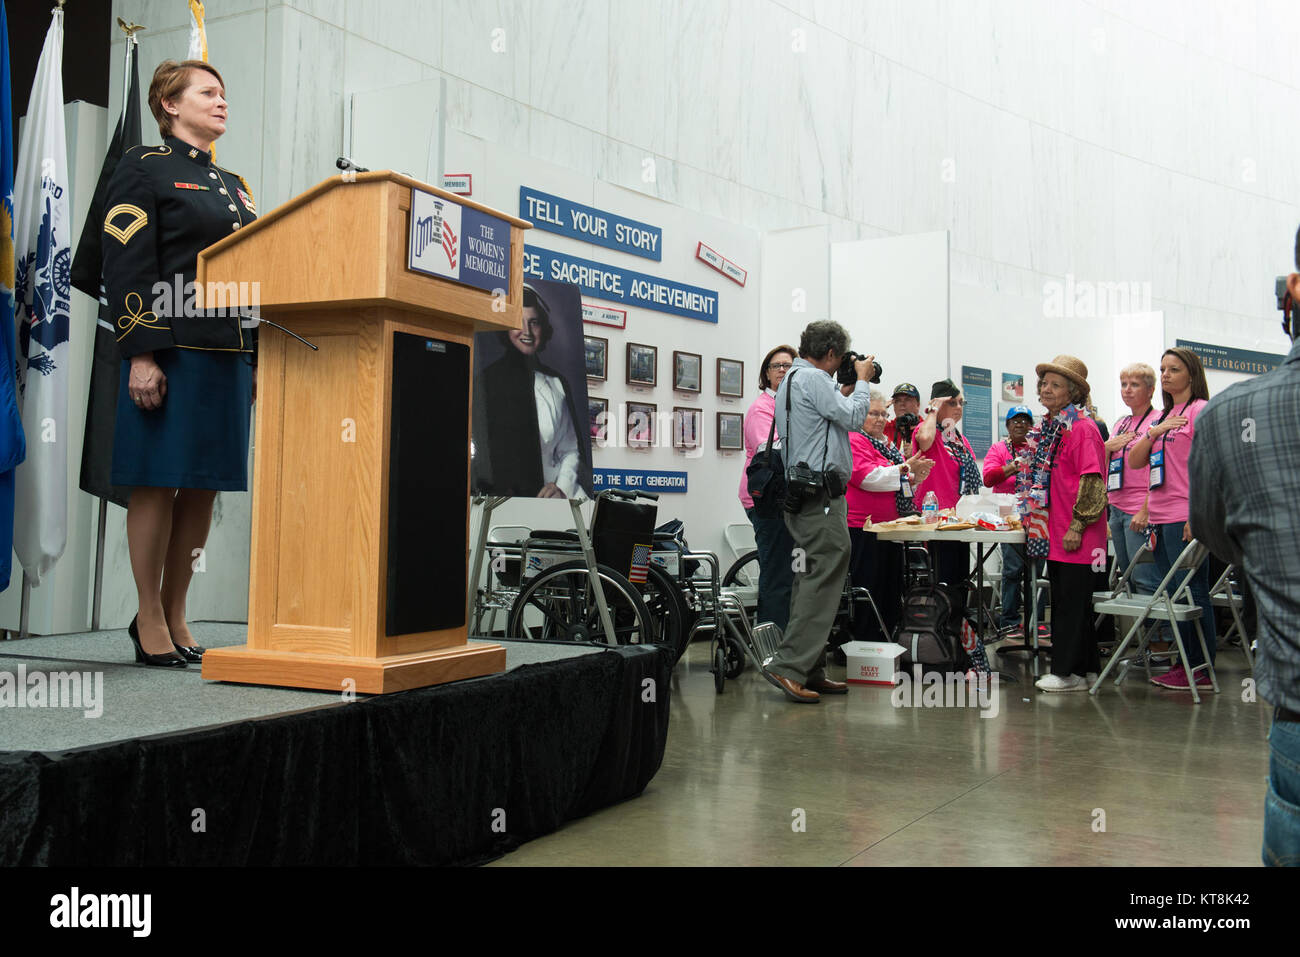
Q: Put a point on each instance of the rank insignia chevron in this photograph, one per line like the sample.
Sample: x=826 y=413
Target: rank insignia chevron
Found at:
x=139 y=219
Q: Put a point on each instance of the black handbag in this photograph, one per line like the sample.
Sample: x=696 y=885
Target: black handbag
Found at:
x=765 y=476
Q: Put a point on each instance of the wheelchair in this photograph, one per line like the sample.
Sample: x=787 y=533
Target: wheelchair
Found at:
x=741 y=579
x=540 y=581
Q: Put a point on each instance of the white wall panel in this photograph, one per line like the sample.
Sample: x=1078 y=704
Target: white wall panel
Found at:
x=1097 y=140
x=892 y=296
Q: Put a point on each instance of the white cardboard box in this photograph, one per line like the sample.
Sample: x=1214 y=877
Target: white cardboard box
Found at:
x=871 y=663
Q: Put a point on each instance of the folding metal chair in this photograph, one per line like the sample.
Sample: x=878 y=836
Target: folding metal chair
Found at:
x=1224 y=595
x=497 y=593
x=1164 y=605
x=739 y=537
x=1121 y=583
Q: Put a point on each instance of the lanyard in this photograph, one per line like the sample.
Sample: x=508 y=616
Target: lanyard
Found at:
x=1156 y=469
x=1129 y=423
x=1115 y=469
x=1165 y=438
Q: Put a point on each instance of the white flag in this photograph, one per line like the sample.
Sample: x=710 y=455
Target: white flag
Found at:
x=198 y=33
x=43 y=256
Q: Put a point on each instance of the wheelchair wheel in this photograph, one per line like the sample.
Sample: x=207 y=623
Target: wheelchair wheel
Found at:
x=560 y=605
x=667 y=610
x=734 y=657
x=742 y=578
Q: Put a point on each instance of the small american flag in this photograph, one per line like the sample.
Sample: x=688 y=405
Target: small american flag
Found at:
x=1036 y=523
x=640 y=563
x=968 y=637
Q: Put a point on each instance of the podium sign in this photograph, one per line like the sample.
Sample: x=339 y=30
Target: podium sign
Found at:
x=458 y=243
x=358 y=570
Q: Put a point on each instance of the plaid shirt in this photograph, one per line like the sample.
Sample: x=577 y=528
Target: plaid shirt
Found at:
x=1244 y=478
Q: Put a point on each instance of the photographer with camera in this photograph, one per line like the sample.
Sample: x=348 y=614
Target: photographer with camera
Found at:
x=814 y=420
x=907 y=409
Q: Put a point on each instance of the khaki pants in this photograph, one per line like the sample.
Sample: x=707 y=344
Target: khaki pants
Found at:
x=823 y=535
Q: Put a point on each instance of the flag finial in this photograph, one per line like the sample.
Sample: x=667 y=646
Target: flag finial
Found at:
x=130 y=29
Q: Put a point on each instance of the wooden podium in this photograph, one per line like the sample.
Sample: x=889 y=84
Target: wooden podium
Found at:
x=358 y=569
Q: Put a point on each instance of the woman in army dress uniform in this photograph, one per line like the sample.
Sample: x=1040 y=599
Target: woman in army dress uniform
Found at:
x=188 y=379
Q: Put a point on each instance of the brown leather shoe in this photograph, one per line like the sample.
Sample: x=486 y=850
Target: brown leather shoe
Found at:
x=826 y=686
x=793 y=690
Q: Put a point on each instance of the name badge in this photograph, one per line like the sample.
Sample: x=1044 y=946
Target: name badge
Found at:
x=1115 y=478
x=1157 y=469
x=904 y=486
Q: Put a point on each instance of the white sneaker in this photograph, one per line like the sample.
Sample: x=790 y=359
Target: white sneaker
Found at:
x=1052 y=683
x=1090 y=678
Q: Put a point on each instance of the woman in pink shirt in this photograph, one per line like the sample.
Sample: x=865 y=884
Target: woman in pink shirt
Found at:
x=1164 y=451
x=1001 y=466
x=955 y=474
x=1070 y=464
x=955 y=471
x=879 y=488
x=775 y=546
x=1126 y=487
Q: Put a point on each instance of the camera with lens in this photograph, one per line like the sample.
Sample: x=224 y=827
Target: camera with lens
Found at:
x=804 y=484
x=849 y=375
x=905 y=424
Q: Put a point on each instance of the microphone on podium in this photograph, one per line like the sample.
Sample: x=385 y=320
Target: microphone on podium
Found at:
x=346 y=164
x=289 y=332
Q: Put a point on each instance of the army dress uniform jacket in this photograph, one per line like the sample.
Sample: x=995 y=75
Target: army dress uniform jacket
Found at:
x=164 y=205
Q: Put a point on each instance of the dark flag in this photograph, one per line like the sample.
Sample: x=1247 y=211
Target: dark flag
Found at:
x=105 y=372
x=13 y=444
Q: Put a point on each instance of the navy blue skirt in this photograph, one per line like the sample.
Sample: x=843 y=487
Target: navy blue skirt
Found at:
x=199 y=438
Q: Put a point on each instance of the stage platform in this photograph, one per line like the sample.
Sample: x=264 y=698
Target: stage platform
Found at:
x=128 y=765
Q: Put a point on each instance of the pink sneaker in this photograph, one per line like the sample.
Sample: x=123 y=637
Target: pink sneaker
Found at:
x=1203 y=680
x=1174 y=678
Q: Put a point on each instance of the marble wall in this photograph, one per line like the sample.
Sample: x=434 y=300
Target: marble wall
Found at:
x=1147 y=141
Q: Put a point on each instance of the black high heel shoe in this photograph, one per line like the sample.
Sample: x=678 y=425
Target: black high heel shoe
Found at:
x=194 y=654
x=169 y=660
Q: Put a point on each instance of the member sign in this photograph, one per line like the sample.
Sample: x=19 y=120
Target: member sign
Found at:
x=458 y=243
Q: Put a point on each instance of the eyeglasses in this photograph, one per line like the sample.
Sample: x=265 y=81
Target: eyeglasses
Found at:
x=780 y=366
x=874 y=413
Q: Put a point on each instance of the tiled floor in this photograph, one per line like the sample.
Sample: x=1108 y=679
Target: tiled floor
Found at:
x=1173 y=783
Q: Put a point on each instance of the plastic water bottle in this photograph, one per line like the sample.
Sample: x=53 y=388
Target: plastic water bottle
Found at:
x=930 y=509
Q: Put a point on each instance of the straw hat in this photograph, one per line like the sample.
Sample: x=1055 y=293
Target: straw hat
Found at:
x=1070 y=368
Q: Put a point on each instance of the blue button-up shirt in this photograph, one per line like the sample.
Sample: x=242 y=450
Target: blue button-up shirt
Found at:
x=1244 y=486
x=815 y=400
